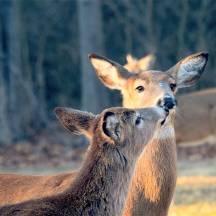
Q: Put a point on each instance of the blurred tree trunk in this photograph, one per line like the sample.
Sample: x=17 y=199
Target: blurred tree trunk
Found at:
x=94 y=94
x=40 y=80
x=150 y=26
x=12 y=26
x=5 y=134
x=24 y=110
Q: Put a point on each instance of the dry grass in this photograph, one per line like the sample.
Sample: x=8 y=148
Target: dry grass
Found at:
x=195 y=196
x=197 y=181
x=196 y=186
x=197 y=209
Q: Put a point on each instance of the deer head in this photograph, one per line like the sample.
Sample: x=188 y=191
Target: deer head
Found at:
x=150 y=88
x=119 y=127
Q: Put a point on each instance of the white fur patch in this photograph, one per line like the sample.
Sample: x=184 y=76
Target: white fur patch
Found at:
x=141 y=124
x=161 y=112
x=162 y=84
x=167 y=132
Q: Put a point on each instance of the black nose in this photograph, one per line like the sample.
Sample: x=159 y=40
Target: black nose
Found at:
x=169 y=103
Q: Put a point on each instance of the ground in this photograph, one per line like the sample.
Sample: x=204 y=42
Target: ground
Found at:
x=196 y=189
x=196 y=186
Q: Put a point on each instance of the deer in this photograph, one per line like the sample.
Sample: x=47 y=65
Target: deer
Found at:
x=118 y=136
x=196 y=122
x=37 y=186
x=154 y=179
x=146 y=88
x=198 y=109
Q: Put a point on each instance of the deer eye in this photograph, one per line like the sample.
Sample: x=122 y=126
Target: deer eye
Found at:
x=138 y=120
x=173 y=86
x=140 y=89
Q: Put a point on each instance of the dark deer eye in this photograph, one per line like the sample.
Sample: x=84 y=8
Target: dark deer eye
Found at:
x=140 y=89
x=173 y=86
x=138 y=120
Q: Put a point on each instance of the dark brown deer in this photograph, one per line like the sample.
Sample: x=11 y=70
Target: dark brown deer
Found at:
x=154 y=180
x=118 y=136
x=31 y=187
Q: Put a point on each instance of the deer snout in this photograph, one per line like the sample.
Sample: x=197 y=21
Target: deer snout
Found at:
x=162 y=113
x=167 y=103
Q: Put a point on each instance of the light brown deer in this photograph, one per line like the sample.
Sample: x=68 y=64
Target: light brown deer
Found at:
x=118 y=136
x=158 y=85
x=195 y=123
x=153 y=183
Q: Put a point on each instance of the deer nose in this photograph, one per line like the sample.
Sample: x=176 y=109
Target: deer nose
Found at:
x=167 y=102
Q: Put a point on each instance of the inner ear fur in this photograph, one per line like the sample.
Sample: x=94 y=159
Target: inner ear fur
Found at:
x=76 y=121
x=111 y=126
x=111 y=74
x=189 y=70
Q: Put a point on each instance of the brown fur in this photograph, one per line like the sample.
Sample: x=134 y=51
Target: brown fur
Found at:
x=15 y=188
x=126 y=82
x=196 y=122
x=101 y=186
x=154 y=180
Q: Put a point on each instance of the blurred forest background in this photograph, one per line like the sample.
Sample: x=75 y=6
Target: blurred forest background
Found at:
x=44 y=47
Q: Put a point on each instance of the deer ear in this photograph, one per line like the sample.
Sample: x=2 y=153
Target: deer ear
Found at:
x=111 y=126
x=189 y=70
x=111 y=74
x=76 y=121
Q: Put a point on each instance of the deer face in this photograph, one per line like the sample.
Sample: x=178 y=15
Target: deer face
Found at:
x=131 y=129
x=125 y=129
x=150 y=88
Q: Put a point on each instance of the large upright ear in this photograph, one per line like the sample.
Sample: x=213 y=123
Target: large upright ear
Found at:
x=188 y=71
x=111 y=126
x=76 y=121
x=112 y=74
x=143 y=64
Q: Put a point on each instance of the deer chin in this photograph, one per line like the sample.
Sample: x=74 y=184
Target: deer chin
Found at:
x=167 y=111
x=167 y=130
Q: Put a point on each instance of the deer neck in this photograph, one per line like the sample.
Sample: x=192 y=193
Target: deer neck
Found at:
x=154 y=180
x=158 y=162
x=102 y=184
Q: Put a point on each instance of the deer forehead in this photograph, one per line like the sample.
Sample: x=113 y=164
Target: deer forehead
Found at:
x=120 y=114
x=155 y=78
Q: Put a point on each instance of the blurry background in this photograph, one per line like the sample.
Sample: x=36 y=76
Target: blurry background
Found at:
x=44 y=47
